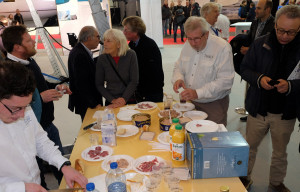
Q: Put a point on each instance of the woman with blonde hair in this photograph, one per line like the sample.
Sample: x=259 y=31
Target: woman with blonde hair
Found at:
x=117 y=67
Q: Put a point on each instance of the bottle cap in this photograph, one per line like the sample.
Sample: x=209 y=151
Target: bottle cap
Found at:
x=224 y=188
x=90 y=186
x=113 y=165
x=178 y=127
x=175 y=120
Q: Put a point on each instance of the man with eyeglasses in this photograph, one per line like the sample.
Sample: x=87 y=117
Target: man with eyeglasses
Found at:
x=21 y=136
x=82 y=69
x=20 y=48
x=271 y=67
x=204 y=70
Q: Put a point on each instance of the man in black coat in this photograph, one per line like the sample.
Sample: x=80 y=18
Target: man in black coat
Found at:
x=262 y=25
x=82 y=72
x=151 y=75
x=18 y=17
x=271 y=67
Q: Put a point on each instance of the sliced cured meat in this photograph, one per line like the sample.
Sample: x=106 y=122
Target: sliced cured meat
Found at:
x=147 y=165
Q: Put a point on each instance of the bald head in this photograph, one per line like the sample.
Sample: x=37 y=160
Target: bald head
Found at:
x=263 y=9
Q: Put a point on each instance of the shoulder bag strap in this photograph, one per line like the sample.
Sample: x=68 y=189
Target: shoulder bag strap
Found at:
x=115 y=70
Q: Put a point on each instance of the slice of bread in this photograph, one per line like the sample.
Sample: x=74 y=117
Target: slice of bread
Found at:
x=138 y=178
x=121 y=131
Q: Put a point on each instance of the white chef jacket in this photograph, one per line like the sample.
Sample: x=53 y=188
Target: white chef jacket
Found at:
x=210 y=71
x=20 y=142
x=223 y=24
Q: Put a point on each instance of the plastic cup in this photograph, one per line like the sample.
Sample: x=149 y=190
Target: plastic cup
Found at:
x=94 y=138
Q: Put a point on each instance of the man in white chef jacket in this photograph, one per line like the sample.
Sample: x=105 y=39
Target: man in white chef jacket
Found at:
x=205 y=70
x=21 y=136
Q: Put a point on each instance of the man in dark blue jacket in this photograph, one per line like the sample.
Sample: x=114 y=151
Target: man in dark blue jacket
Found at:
x=271 y=67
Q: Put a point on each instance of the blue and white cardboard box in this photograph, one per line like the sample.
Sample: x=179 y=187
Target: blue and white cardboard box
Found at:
x=217 y=154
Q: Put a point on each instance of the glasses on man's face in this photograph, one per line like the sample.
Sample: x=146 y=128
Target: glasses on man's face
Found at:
x=13 y=112
x=196 y=39
x=289 y=33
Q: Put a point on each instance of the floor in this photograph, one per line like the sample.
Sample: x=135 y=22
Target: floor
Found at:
x=69 y=124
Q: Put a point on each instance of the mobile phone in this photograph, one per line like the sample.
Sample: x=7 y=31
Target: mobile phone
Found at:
x=273 y=82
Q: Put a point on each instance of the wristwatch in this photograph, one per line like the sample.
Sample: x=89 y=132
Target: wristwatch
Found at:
x=67 y=163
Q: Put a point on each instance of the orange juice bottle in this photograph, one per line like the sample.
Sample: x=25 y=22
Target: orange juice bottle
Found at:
x=178 y=146
x=175 y=122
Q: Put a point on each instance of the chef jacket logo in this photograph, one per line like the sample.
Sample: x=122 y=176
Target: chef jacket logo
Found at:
x=208 y=56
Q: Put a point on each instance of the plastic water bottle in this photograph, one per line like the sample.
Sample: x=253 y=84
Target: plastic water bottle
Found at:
x=115 y=179
x=109 y=128
x=90 y=187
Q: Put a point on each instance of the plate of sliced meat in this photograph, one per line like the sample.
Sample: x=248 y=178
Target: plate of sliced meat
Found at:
x=97 y=153
x=201 y=126
x=124 y=162
x=145 y=163
x=146 y=105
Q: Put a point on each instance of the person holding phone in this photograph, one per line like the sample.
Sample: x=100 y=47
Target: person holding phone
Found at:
x=273 y=95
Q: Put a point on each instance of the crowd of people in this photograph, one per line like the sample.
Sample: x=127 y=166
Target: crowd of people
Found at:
x=127 y=73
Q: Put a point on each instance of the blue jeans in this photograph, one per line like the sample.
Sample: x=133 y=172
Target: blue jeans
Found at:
x=165 y=26
x=175 y=30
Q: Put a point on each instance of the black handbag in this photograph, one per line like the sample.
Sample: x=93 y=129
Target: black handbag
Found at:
x=136 y=95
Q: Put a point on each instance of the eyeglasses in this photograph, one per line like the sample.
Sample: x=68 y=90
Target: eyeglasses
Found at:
x=16 y=111
x=196 y=39
x=289 y=33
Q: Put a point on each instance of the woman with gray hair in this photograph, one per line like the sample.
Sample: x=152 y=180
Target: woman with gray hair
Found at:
x=117 y=67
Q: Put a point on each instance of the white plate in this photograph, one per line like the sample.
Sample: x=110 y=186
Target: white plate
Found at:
x=179 y=115
x=94 y=129
x=195 y=115
x=87 y=157
x=153 y=105
x=183 y=106
x=146 y=158
x=205 y=126
x=125 y=115
x=164 y=138
x=106 y=165
x=127 y=107
x=136 y=187
x=130 y=130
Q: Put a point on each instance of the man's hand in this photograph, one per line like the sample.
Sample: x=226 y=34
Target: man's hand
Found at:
x=64 y=89
x=50 y=95
x=244 y=50
x=282 y=86
x=264 y=83
x=189 y=94
x=72 y=175
x=33 y=187
x=179 y=83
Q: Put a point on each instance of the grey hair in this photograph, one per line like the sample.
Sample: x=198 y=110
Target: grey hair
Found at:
x=193 y=23
x=85 y=33
x=118 y=36
x=291 y=11
x=207 y=7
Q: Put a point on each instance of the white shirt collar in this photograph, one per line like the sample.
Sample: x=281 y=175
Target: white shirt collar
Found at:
x=89 y=51
x=14 y=58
